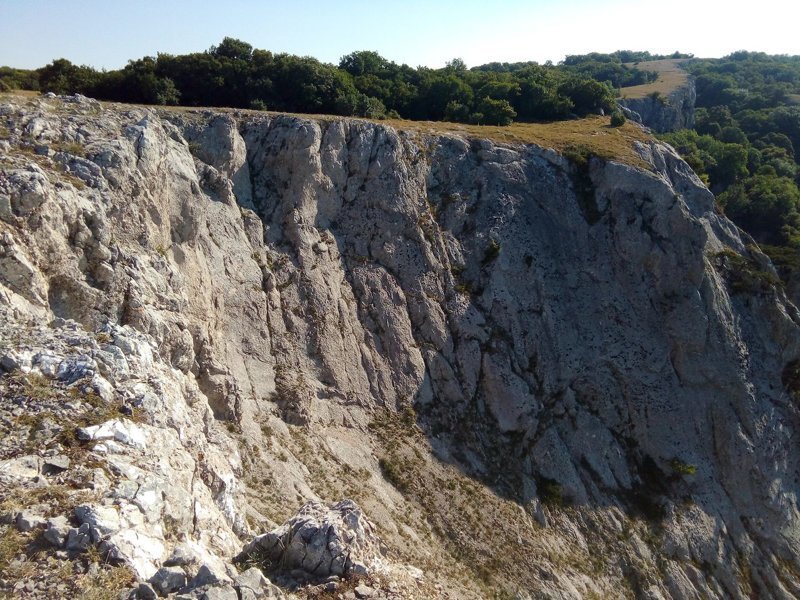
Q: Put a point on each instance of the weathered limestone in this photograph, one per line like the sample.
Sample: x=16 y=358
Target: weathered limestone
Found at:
x=320 y=541
x=239 y=286
x=664 y=113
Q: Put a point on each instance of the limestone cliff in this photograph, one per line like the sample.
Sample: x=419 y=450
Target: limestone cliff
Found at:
x=663 y=113
x=538 y=377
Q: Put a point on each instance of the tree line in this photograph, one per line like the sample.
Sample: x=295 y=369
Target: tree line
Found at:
x=364 y=83
x=744 y=145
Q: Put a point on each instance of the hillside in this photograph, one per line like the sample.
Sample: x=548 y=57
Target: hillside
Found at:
x=666 y=104
x=671 y=76
x=483 y=368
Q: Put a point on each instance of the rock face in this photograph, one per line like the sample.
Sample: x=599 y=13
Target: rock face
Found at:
x=535 y=376
x=319 y=541
x=664 y=113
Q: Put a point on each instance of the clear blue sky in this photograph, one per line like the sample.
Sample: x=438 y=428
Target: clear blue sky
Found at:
x=105 y=34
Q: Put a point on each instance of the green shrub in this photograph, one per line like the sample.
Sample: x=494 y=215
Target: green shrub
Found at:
x=786 y=259
x=579 y=155
x=745 y=275
x=492 y=252
x=617 y=119
x=394 y=471
x=550 y=491
x=790 y=377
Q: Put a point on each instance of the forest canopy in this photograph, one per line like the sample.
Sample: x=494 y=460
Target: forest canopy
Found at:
x=234 y=74
x=744 y=145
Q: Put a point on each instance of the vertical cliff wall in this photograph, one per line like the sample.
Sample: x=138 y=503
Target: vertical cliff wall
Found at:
x=663 y=113
x=539 y=376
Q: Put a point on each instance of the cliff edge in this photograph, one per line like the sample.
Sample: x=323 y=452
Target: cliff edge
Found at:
x=538 y=374
x=664 y=105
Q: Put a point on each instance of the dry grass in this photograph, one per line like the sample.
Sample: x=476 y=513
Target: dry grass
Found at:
x=55 y=496
x=670 y=76
x=19 y=94
x=593 y=134
x=12 y=543
x=107 y=584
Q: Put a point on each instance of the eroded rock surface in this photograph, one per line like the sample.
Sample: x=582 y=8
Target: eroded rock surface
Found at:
x=663 y=113
x=533 y=376
x=320 y=541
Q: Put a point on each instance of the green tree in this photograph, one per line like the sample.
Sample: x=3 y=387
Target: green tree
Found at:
x=456 y=112
x=364 y=62
x=496 y=112
x=766 y=206
x=588 y=96
x=62 y=77
x=233 y=49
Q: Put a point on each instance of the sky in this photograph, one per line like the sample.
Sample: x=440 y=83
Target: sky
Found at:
x=106 y=34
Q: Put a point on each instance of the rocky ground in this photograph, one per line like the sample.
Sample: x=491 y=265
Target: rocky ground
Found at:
x=248 y=355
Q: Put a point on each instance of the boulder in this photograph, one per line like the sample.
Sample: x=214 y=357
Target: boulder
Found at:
x=320 y=541
x=252 y=585
x=167 y=580
x=57 y=529
x=79 y=538
x=28 y=520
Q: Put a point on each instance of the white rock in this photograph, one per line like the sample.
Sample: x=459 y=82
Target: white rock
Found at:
x=103 y=388
x=21 y=468
x=119 y=430
x=142 y=552
x=321 y=541
x=103 y=518
x=27 y=521
x=57 y=529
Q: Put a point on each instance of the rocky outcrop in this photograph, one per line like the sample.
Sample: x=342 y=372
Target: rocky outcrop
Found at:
x=319 y=542
x=663 y=113
x=536 y=377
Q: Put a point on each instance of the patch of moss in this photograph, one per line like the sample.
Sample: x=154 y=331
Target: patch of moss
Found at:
x=682 y=468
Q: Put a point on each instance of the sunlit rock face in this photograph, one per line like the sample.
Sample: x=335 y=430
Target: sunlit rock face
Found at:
x=664 y=112
x=533 y=375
